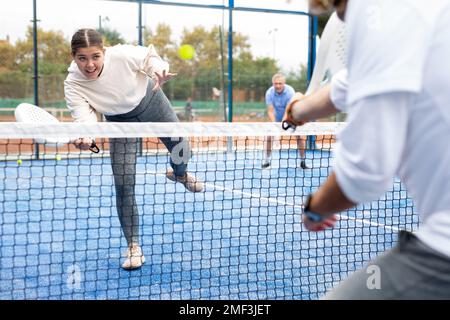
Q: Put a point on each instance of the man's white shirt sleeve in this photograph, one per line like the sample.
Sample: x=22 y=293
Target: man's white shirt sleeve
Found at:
x=386 y=59
x=338 y=92
x=371 y=145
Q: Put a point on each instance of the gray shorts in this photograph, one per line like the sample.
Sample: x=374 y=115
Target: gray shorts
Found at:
x=410 y=270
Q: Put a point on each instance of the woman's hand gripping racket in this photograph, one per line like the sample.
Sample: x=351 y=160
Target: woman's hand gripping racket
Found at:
x=29 y=113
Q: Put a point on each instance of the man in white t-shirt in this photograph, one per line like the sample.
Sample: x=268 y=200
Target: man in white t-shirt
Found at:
x=396 y=94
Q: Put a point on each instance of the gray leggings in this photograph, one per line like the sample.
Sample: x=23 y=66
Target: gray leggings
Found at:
x=410 y=270
x=154 y=107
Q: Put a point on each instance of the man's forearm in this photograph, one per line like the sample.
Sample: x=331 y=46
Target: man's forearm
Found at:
x=315 y=106
x=271 y=113
x=329 y=198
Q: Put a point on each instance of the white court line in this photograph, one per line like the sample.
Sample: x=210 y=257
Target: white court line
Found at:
x=276 y=201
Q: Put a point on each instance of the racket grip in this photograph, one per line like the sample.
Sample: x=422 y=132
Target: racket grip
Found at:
x=286 y=125
x=94 y=148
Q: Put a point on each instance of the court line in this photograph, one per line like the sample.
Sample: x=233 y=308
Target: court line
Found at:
x=277 y=201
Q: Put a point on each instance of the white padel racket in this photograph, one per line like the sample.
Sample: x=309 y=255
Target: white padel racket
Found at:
x=330 y=59
x=29 y=113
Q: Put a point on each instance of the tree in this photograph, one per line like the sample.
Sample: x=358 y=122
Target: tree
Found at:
x=54 y=52
x=207 y=45
x=298 y=80
x=161 y=39
x=254 y=73
x=111 y=36
x=7 y=56
x=204 y=70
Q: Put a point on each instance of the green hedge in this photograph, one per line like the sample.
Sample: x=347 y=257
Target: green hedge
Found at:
x=203 y=107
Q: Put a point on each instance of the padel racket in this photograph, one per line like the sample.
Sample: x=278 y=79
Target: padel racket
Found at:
x=331 y=58
x=29 y=113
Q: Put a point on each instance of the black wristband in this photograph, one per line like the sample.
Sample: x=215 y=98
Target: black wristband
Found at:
x=313 y=216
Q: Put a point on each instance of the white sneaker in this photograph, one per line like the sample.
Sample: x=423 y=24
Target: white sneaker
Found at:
x=189 y=181
x=135 y=258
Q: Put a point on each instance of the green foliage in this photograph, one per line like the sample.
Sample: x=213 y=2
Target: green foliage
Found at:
x=161 y=39
x=53 y=48
x=48 y=68
x=253 y=73
x=298 y=80
x=15 y=84
x=7 y=56
x=111 y=37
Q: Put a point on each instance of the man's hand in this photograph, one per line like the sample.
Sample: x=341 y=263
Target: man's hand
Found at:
x=162 y=78
x=327 y=200
x=297 y=121
x=329 y=222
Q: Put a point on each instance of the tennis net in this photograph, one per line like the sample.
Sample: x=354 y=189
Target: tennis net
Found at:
x=240 y=238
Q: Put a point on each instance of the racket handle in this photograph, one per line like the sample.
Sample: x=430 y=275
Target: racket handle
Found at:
x=286 y=125
x=94 y=148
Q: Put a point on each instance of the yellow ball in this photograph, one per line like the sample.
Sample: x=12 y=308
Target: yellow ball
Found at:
x=19 y=162
x=58 y=157
x=186 y=52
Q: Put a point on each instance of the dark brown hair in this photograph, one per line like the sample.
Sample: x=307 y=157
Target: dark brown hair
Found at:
x=85 y=38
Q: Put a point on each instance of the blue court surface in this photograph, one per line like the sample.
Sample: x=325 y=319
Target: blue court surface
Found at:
x=240 y=239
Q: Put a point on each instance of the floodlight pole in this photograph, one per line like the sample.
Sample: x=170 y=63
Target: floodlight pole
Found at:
x=313 y=30
x=140 y=42
x=140 y=38
x=35 y=67
x=230 y=60
x=35 y=54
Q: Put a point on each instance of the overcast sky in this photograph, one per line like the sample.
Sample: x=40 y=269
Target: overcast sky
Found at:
x=282 y=36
